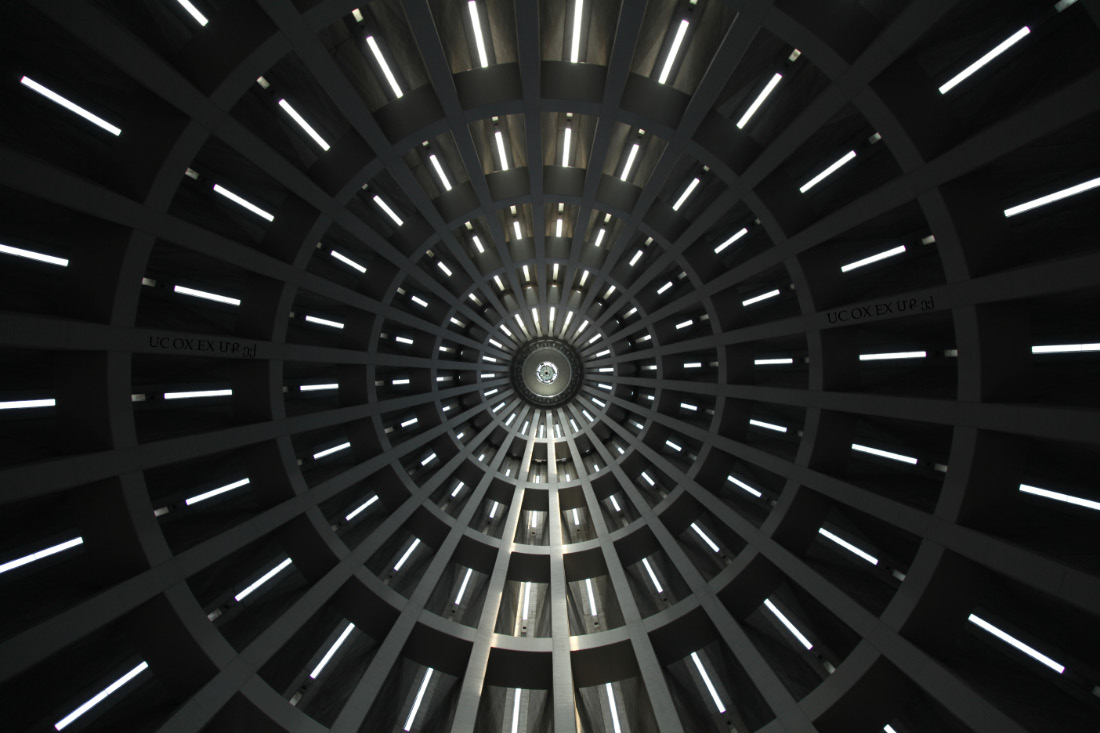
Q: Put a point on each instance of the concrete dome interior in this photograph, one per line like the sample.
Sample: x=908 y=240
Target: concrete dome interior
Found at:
x=826 y=272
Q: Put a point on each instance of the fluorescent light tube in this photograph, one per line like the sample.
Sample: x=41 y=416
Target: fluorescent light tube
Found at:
x=663 y=288
x=764 y=362
x=462 y=588
x=994 y=53
x=741 y=484
x=349 y=262
x=446 y=270
x=731 y=240
x=206 y=296
x=1013 y=641
x=324 y=322
x=1064 y=348
x=359 y=509
x=303 y=124
x=263 y=579
x=599 y=236
x=418 y=700
x=101 y=695
x=215 y=492
x=772 y=83
x=827 y=172
x=758 y=298
x=30 y=255
x=242 y=203
x=708 y=540
x=790 y=627
x=710 y=685
x=439 y=168
x=614 y=503
x=374 y=49
x=684 y=196
x=558 y=228
x=1067 y=498
x=567 y=138
x=875 y=258
x=591 y=595
x=1052 y=197
x=478 y=245
x=526 y=599
x=893 y=355
x=683 y=324
x=500 y=150
x=71 y=106
x=516 y=229
x=419 y=301
x=330 y=451
x=479 y=40
x=634 y=260
x=198 y=394
x=331 y=651
x=575 y=45
x=630 y=161
x=413 y=546
x=193 y=12
x=675 y=49
x=848 y=546
x=652 y=575
x=768 y=426
x=389 y=212
x=613 y=707
x=884 y=454
x=21 y=404
x=27 y=559
x=428 y=460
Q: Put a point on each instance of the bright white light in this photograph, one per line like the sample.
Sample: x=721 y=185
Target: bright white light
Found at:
x=330 y=451
x=558 y=228
x=101 y=695
x=462 y=588
x=710 y=685
x=630 y=161
x=758 y=101
x=20 y=404
x=26 y=559
x=576 y=516
x=661 y=290
x=884 y=454
x=875 y=258
x=1013 y=641
x=1052 y=197
x=413 y=546
x=403 y=340
x=567 y=135
x=197 y=394
x=652 y=575
x=419 y=301
x=684 y=196
x=331 y=651
x=493 y=510
x=741 y=484
x=374 y=49
x=614 y=708
x=324 y=322
x=361 y=508
x=516 y=229
x=409 y=422
x=893 y=355
x=768 y=426
x=675 y=49
x=193 y=12
x=446 y=270
x=478 y=246
x=428 y=460
x=479 y=40
x=1067 y=498
x=215 y=492
x=758 y=298
x=263 y=579
x=599 y=236
x=30 y=255
x=71 y=106
x=848 y=546
x=439 y=168
x=731 y=240
x=515 y=711
x=997 y=51
x=673 y=446
x=637 y=256
x=303 y=124
x=348 y=261
x=764 y=362
x=1064 y=348
x=242 y=203
x=500 y=150
x=827 y=172
x=683 y=324
x=790 y=627
x=708 y=540
x=389 y=212
x=614 y=503
x=206 y=296
x=399 y=382
x=575 y=46
x=418 y=700
x=526 y=599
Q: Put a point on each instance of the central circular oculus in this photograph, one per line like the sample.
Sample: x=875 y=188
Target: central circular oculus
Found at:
x=546 y=372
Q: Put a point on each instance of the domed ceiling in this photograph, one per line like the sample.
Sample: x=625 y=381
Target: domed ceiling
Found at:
x=550 y=366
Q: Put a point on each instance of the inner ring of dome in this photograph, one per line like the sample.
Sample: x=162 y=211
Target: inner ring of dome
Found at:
x=546 y=372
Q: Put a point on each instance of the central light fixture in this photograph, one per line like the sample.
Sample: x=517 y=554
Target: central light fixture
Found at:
x=546 y=372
